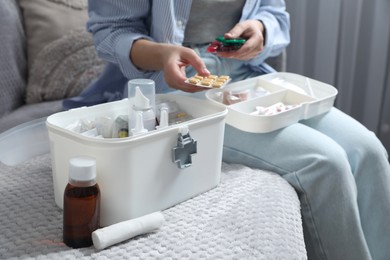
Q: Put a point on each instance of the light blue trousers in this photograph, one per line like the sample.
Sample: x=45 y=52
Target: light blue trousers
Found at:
x=338 y=168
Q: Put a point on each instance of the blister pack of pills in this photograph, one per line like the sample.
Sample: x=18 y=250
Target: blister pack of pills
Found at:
x=211 y=81
x=221 y=44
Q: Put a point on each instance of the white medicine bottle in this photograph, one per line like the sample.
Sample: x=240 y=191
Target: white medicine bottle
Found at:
x=81 y=215
x=141 y=94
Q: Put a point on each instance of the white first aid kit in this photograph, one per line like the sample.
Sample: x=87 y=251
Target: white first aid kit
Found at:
x=142 y=174
x=149 y=172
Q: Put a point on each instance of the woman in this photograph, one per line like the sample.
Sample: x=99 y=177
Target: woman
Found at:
x=338 y=168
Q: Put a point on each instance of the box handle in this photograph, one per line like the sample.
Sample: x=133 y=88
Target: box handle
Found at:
x=186 y=147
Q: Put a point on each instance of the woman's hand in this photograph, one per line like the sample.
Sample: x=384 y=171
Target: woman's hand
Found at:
x=253 y=32
x=171 y=59
x=175 y=59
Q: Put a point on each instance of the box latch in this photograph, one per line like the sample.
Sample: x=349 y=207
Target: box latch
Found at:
x=186 y=147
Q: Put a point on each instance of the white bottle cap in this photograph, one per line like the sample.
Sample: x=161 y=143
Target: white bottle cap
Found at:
x=82 y=168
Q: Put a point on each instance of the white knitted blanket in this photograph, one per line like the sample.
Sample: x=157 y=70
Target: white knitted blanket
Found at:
x=252 y=214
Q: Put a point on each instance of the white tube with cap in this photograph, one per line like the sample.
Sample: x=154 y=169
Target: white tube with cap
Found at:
x=119 y=232
x=139 y=124
x=164 y=121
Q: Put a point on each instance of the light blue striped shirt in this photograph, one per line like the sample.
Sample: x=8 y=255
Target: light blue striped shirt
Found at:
x=116 y=24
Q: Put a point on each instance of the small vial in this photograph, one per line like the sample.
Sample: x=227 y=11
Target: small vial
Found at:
x=142 y=103
x=81 y=215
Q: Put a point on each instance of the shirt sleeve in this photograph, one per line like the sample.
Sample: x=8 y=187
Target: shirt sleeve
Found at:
x=115 y=25
x=276 y=20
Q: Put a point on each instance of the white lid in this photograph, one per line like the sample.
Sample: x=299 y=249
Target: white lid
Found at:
x=82 y=168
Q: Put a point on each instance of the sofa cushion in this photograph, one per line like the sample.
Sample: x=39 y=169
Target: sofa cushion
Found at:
x=48 y=20
x=12 y=57
x=63 y=68
x=61 y=56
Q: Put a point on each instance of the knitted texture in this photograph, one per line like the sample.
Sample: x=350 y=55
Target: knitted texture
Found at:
x=63 y=68
x=13 y=63
x=252 y=214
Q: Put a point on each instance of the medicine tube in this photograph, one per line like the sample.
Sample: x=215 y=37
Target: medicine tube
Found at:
x=81 y=215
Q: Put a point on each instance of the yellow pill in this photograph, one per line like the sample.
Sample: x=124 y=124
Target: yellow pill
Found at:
x=193 y=80
x=221 y=80
x=205 y=83
x=217 y=84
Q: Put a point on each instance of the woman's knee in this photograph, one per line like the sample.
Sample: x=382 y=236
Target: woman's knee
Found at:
x=330 y=161
x=366 y=152
x=368 y=146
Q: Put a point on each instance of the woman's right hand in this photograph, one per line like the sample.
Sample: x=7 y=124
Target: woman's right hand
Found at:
x=175 y=59
x=171 y=59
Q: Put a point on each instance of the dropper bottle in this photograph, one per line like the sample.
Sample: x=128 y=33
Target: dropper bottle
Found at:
x=164 y=121
x=139 y=124
x=142 y=103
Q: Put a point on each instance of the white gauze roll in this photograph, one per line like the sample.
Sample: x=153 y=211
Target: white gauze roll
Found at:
x=107 y=236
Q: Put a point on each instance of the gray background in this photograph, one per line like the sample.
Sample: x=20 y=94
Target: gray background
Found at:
x=347 y=44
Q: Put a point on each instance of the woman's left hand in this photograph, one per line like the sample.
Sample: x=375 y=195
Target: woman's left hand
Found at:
x=253 y=32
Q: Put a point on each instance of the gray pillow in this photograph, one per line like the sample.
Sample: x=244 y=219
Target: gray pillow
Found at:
x=63 y=68
x=13 y=62
x=48 y=20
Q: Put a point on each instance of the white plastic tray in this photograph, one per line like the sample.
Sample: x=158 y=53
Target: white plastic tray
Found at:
x=310 y=97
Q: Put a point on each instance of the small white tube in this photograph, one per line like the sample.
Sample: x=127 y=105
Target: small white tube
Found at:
x=163 y=117
x=142 y=103
x=139 y=124
x=116 y=233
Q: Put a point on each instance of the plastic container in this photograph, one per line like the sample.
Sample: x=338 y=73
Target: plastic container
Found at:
x=24 y=142
x=140 y=174
x=308 y=96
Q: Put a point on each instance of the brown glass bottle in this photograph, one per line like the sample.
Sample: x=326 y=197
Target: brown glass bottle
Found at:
x=81 y=214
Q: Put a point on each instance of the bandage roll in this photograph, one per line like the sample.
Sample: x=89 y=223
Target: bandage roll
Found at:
x=116 y=233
